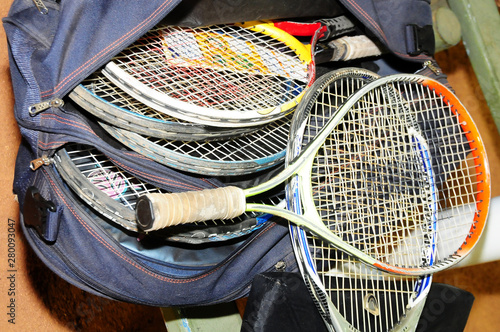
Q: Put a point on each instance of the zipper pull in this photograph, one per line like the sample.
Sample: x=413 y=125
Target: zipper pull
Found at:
x=41 y=7
x=42 y=161
x=429 y=64
x=45 y=105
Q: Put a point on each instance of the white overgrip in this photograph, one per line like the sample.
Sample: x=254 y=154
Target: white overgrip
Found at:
x=192 y=206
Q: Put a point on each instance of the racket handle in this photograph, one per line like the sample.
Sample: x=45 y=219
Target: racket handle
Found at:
x=355 y=47
x=156 y=211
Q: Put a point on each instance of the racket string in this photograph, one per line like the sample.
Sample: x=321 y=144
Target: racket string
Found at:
x=239 y=76
x=455 y=166
x=368 y=299
x=358 y=156
x=108 y=178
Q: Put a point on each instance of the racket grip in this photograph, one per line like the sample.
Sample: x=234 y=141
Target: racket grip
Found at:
x=156 y=211
x=353 y=47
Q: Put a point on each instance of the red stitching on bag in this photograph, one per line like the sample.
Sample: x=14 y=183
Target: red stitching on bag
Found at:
x=210 y=183
x=67 y=121
x=136 y=155
x=103 y=52
x=53 y=144
x=369 y=18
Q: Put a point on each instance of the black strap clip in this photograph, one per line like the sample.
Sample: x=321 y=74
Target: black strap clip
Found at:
x=420 y=39
x=35 y=212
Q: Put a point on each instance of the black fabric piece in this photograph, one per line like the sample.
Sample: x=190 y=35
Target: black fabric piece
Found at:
x=420 y=39
x=446 y=309
x=280 y=301
x=192 y=13
x=387 y=21
x=39 y=215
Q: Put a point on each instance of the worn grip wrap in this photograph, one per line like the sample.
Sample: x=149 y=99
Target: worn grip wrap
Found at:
x=353 y=47
x=156 y=211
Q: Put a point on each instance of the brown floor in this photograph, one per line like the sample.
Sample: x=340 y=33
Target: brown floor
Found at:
x=46 y=303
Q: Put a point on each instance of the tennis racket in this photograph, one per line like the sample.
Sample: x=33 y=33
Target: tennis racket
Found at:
x=101 y=98
x=350 y=296
x=256 y=151
x=113 y=192
x=226 y=76
x=372 y=166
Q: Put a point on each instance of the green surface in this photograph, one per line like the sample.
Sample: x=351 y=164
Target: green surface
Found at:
x=221 y=317
x=480 y=23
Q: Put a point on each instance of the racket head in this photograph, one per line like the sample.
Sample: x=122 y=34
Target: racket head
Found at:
x=104 y=100
x=352 y=296
x=225 y=76
x=348 y=294
x=261 y=149
x=460 y=165
x=113 y=192
x=376 y=129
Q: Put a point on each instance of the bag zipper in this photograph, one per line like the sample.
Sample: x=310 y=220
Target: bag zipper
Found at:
x=39 y=162
x=41 y=7
x=431 y=65
x=45 y=105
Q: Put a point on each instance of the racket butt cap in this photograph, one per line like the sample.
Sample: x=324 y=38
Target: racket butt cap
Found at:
x=144 y=212
x=156 y=211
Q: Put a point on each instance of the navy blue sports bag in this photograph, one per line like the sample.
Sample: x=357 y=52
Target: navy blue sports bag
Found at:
x=53 y=46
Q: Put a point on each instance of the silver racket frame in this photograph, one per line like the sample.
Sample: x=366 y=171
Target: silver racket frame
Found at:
x=185 y=162
x=130 y=120
x=333 y=320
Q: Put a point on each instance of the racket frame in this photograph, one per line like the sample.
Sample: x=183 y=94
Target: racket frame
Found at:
x=298 y=167
x=214 y=117
x=176 y=158
x=147 y=125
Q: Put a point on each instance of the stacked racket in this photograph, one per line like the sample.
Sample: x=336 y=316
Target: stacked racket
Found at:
x=112 y=191
x=348 y=294
x=213 y=100
x=210 y=101
x=386 y=178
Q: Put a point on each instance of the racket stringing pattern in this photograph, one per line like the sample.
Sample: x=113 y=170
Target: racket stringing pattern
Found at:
x=226 y=76
x=113 y=192
x=349 y=294
x=100 y=97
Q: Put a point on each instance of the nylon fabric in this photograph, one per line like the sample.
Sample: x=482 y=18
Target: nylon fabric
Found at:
x=387 y=20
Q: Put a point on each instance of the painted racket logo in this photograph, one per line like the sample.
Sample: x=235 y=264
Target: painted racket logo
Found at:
x=219 y=49
x=371 y=304
x=111 y=183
